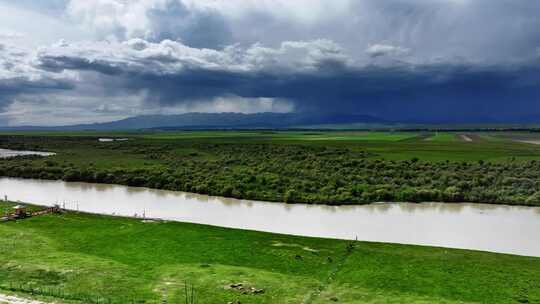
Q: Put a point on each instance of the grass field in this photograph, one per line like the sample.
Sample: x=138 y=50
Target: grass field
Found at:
x=287 y=136
x=443 y=137
x=440 y=146
x=434 y=146
x=83 y=258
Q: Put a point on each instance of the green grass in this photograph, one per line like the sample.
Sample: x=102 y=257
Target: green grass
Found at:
x=357 y=136
x=441 y=146
x=7 y=207
x=327 y=136
x=444 y=137
x=89 y=256
x=516 y=136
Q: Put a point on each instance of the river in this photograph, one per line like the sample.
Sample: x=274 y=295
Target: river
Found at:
x=495 y=228
x=5 y=153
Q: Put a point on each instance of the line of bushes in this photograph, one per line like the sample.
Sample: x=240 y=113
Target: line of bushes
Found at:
x=288 y=173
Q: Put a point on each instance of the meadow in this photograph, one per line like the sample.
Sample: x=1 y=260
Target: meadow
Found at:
x=81 y=258
x=320 y=167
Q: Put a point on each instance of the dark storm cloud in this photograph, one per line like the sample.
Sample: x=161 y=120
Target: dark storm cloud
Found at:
x=439 y=60
x=491 y=30
x=10 y=89
x=152 y=20
x=22 y=85
x=474 y=29
x=434 y=93
x=326 y=82
x=18 y=76
x=200 y=29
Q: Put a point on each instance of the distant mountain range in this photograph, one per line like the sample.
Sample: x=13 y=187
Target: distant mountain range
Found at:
x=219 y=121
x=194 y=121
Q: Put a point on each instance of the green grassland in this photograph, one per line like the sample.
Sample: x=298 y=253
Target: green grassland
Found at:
x=339 y=167
x=518 y=136
x=80 y=258
x=429 y=146
x=290 y=136
x=443 y=137
x=440 y=146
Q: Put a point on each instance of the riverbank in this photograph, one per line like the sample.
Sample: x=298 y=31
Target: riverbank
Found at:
x=79 y=255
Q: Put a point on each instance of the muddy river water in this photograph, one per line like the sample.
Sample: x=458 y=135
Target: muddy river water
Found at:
x=496 y=228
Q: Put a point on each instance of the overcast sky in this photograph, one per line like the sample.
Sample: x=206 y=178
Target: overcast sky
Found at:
x=78 y=61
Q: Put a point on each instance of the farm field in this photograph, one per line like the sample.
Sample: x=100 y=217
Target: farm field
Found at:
x=286 y=135
x=341 y=167
x=442 y=137
x=74 y=257
x=524 y=137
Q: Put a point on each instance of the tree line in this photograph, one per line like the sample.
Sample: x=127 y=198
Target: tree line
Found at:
x=289 y=173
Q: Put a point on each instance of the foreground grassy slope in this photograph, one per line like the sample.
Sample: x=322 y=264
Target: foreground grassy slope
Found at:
x=306 y=167
x=80 y=256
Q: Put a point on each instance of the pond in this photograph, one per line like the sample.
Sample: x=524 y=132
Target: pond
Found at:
x=6 y=153
x=495 y=228
x=112 y=139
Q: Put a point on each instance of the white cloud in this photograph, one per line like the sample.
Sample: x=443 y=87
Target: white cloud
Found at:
x=113 y=17
x=170 y=57
x=34 y=28
x=53 y=109
x=381 y=50
x=307 y=12
x=132 y=17
x=153 y=20
x=66 y=109
x=17 y=71
x=10 y=35
x=236 y=104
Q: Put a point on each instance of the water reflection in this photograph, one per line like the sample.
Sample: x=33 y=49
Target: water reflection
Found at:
x=7 y=153
x=498 y=228
x=377 y=208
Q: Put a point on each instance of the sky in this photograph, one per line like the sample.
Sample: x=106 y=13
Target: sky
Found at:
x=82 y=61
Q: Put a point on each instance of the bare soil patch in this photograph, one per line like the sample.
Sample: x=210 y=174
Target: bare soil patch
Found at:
x=466 y=138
